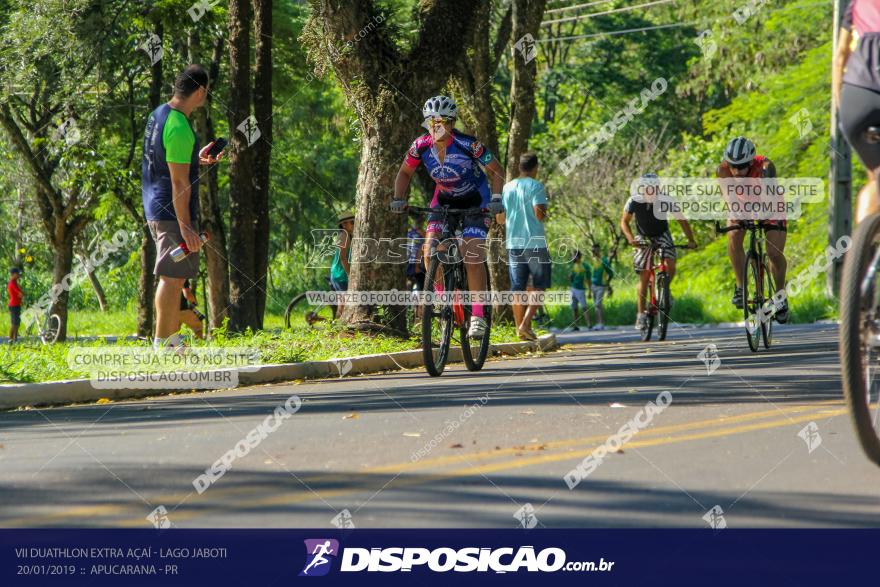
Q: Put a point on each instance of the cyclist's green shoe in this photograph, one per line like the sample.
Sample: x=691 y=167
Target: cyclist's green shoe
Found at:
x=737 y=297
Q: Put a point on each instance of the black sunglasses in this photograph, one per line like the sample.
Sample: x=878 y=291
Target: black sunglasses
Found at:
x=741 y=166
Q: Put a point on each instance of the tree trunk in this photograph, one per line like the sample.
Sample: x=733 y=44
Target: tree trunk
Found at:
x=262 y=149
x=62 y=264
x=526 y=21
x=474 y=87
x=242 y=225
x=216 y=264
x=382 y=84
x=147 y=281
x=96 y=284
x=146 y=284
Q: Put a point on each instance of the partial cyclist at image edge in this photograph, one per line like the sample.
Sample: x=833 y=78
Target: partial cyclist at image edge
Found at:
x=741 y=161
x=855 y=90
x=462 y=169
x=654 y=232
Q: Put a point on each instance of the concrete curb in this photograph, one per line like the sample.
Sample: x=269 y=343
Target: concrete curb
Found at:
x=82 y=390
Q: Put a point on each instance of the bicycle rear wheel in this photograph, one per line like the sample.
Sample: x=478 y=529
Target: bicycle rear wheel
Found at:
x=475 y=351
x=300 y=313
x=753 y=300
x=860 y=334
x=437 y=319
x=649 y=319
x=769 y=292
x=664 y=305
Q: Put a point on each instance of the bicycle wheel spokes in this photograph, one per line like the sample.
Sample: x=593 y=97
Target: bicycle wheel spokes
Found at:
x=475 y=350
x=437 y=319
x=752 y=301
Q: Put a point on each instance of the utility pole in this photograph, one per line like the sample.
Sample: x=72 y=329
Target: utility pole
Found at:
x=840 y=180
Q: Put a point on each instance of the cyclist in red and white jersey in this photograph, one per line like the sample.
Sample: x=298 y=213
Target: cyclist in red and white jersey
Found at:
x=741 y=161
x=462 y=169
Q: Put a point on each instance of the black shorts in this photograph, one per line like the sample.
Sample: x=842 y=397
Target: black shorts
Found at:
x=859 y=109
x=15 y=315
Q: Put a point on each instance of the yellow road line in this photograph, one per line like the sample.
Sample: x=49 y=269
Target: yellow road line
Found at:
x=305 y=495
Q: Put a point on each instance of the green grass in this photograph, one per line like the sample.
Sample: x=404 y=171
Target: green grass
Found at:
x=30 y=361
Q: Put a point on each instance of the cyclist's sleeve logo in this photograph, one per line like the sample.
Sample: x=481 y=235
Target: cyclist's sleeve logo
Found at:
x=320 y=553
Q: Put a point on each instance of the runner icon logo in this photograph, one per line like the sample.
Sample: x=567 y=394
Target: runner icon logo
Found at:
x=318 y=556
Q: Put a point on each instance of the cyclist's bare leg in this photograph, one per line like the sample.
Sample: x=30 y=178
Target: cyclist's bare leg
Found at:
x=868 y=199
x=189 y=318
x=473 y=251
x=643 y=290
x=776 y=252
x=670 y=269
x=736 y=254
x=430 y=238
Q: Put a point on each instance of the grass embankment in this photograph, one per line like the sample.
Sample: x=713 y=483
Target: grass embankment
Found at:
x=30 y=361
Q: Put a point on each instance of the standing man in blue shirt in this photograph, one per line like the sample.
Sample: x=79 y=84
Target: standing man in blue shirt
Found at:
x=525 y=210
x=170 y=193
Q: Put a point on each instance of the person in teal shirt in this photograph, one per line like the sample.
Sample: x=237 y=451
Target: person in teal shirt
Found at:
x=525 y=210
x=579 y=277
x=600 y=285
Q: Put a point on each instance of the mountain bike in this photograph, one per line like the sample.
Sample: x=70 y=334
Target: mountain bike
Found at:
x=46 y=329
x=659 y=298
x=447 y=274
x=860 y=333
x=759 y=309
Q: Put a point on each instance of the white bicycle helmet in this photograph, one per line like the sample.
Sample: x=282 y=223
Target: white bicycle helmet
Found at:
x=739 y=151
x=440 y=106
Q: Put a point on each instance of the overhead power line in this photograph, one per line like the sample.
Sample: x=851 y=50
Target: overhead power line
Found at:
x=612 y=11
x=577 y=6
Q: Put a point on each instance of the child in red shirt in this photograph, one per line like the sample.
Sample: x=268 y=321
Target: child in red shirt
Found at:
x=15 y=298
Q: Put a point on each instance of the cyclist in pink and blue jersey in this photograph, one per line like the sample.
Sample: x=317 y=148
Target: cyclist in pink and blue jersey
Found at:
x=462 y=169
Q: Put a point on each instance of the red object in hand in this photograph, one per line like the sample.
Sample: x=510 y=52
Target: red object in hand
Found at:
x=180 y=253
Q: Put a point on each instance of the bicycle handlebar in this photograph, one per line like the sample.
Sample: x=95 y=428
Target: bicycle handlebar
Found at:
x=418 y=210
x=746 y=225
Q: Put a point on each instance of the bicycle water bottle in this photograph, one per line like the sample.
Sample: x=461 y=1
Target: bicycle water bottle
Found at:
x=181 y=251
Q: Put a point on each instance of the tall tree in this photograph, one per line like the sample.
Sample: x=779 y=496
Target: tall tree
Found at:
x=242 y=221
x=527 y=16
x=474 y=87
x=386 y=85
x=263 y=148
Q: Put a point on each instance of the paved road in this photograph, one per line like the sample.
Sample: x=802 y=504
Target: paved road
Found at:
x=469 y=450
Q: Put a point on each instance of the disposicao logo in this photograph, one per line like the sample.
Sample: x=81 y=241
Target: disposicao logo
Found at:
x=318 y=556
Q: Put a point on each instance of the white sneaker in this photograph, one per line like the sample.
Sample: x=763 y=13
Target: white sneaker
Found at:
x=477 y=328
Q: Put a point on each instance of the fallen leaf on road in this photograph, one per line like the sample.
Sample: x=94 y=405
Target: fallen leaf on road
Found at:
x=412 y=434
x=351 y=416
x=619 y=451
x=104 y=400
x=456 y=445
x=633 y=390
x=616 y=405
x=497 y=448
x=268 y=462
x=528 y=412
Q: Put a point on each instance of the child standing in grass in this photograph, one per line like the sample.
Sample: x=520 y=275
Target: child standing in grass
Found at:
x=579 y=276
x=15 y=299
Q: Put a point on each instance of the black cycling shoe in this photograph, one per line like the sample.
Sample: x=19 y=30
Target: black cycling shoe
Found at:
x=737 y=297
x=781 y=315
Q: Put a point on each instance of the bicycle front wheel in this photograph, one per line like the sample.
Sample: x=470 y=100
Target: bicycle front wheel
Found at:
x=664 y=305
x=860 y=334
x=753 y=300
x=767 y=322
x=51 y=329
x=475 y=351
x=437 y=318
